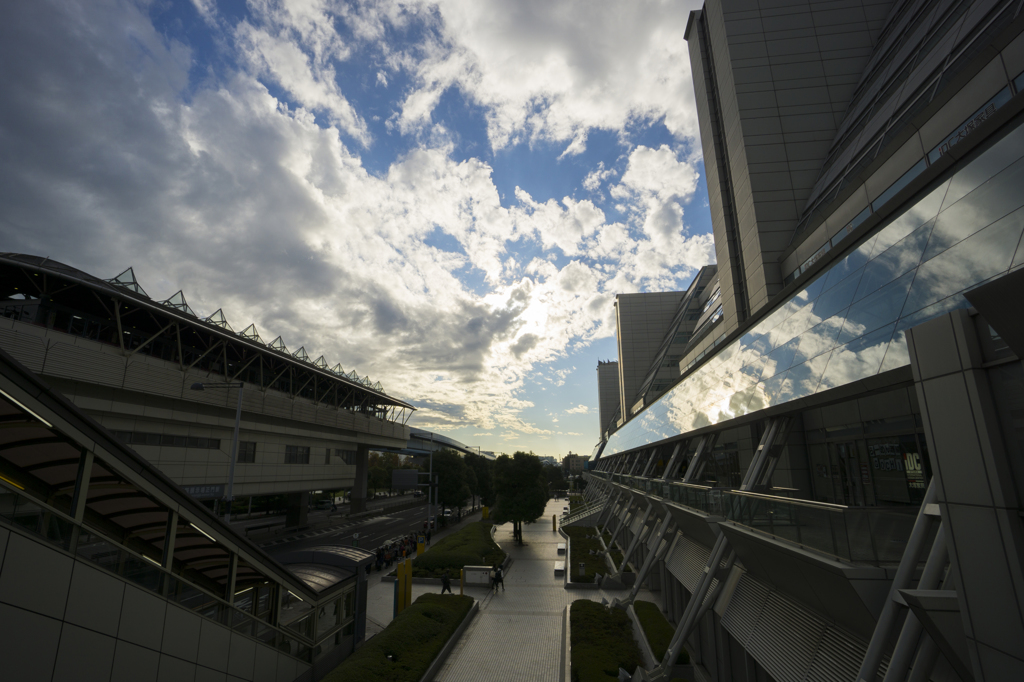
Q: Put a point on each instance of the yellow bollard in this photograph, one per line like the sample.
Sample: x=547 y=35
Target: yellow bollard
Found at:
x=400 y=596
x=408 y=582
x=485 y=513
x=553 y=526
x=462 y=580
x=420 y=548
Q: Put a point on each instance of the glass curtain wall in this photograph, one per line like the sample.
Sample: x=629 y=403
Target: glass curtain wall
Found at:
x=849 y=322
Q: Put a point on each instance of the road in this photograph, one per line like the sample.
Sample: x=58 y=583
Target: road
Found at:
x=373 y=532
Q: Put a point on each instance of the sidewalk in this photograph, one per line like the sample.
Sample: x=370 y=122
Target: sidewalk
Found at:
x=518 y=634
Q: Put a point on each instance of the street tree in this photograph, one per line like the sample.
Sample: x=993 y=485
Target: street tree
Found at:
x=452 y=484
x=521 y=489
x=483 y=486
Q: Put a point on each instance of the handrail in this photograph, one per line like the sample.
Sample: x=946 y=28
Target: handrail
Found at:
x=828 y=506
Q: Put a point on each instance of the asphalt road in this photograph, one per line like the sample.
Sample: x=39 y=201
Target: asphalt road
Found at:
x=373 y=532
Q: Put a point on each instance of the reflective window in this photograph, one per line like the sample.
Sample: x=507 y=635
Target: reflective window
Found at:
x=849 y=323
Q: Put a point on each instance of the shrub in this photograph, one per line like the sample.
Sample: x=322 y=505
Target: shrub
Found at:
x=412 y=640
x=582 y=540
x=601 y=642
x=470 y=546
x=657 y=630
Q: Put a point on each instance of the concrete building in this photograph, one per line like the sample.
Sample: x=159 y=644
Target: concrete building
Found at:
x=109 y=571
x=831 y=490
x=129 y=362
x=572 y=465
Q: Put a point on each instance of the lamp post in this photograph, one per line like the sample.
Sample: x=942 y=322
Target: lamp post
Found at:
x=234 y=441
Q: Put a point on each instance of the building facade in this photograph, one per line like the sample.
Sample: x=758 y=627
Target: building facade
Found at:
x=130 y=363
x=830 y=490
x=607 y=397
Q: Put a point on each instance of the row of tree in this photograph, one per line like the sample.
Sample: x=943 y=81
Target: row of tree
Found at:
x=516 y=488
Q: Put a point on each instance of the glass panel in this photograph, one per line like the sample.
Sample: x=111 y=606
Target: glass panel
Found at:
x=990 y=202
x=802 y=380
x=993 y=161
x=972 y=261
x=881 y=307
x=897 y=260
x=857 y=360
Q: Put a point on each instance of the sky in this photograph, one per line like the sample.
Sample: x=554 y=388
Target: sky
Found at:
x=443 y=196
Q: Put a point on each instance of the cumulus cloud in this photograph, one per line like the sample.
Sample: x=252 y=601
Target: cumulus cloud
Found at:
x=241 y=189
x=579 y=409
x=547 y=70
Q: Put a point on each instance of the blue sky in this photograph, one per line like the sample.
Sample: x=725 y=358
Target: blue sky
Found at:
x=445 y=196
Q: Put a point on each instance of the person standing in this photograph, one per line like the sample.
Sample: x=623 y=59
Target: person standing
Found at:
x=499 y=579
x=446 y=583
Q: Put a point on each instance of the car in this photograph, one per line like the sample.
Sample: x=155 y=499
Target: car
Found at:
x=446 y=513
x=323 y=504
x=417 y=493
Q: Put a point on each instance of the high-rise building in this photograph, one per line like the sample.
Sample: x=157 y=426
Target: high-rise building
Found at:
x=607 y=396
x=832 y=489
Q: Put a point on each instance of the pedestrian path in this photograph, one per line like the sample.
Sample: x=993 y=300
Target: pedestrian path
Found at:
x=518 y=633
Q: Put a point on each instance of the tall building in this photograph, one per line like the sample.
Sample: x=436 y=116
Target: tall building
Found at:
x=607 y=396
x=833 y=488
x=640 y=324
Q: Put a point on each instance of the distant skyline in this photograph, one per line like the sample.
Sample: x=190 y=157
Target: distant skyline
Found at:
x=444 y=196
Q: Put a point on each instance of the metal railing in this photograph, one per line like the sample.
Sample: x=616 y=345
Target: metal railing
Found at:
x=56 y=528
x=872 y=535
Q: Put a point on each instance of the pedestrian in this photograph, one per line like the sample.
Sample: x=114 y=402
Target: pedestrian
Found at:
x=446 y=583
x=498 y=578
x=494 y=578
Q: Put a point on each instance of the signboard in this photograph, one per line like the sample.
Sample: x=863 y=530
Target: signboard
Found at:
x=477 y=575
x=205 y=492
x=402 y=479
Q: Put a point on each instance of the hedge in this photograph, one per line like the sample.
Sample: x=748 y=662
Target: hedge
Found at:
x=601 y=642
x=657 y=630
x=471 y=545
x=413 y=640
x=583 y=539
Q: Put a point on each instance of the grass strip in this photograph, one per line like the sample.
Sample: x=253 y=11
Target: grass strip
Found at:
x=412 y=640
x=582 y=541
x=657 y=629
x=601 y=642
x=471 y=545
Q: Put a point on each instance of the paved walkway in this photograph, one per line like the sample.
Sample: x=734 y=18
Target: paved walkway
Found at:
x=518 y=633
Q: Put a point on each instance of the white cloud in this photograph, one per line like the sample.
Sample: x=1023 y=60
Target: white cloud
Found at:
x=579 y=409
x=253 y=205
x=549 y=70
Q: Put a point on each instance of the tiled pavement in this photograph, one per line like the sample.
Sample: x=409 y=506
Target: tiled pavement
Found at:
x=517 y=634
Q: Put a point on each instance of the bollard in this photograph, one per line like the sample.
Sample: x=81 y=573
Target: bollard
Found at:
x=408 y=582
x=462 y=580
x=583 y=568
x=553 y=526
x=400 y=588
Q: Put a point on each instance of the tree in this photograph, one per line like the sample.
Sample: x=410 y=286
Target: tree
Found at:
x=521 y=489
x=484 y=484
x=553 y=474
x=452 y=486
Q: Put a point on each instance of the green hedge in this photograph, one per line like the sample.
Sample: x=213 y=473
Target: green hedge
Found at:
x=657 y=629
x=469 y=546
x=601 y=642
x=583 y=539
x=413 y=640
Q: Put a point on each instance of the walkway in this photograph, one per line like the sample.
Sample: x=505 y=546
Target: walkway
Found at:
x=517 y=634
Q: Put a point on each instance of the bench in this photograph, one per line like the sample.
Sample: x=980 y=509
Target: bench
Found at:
x=559 y=568
x=561 y=548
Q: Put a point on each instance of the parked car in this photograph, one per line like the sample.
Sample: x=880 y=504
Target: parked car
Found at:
x=323 y=504
x=417 y=493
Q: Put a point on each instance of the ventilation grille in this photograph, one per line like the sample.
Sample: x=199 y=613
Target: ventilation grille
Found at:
x=785 y=639
x=745 y=608
x=687 y=562
x=838 y=659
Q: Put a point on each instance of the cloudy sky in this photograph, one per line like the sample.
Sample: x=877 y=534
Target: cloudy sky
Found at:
x=445 y=196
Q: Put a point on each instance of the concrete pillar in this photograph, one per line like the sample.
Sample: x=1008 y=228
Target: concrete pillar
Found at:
x=360 y=485
x=297 y=510
x=975 y=466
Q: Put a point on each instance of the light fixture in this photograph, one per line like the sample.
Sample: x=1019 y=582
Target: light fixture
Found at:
x=203 y=532
x=19 y=404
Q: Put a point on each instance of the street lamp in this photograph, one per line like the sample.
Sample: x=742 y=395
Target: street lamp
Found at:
x=234 y=441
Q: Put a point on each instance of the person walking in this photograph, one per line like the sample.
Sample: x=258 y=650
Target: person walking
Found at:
x=446 y=583
x=499 y=579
